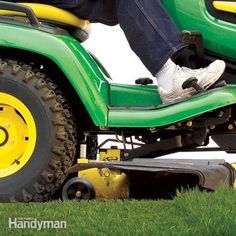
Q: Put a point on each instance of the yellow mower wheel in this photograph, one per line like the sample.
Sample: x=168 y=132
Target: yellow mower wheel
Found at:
x=38 y=135
x=17 y=135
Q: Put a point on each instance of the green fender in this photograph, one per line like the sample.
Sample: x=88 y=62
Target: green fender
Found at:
x=80 y=69
x=102 y=100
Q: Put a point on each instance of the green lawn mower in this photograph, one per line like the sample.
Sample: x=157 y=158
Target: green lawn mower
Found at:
x=56 y=98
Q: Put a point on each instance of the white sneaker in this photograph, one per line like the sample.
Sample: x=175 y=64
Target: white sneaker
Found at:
x=206 y=77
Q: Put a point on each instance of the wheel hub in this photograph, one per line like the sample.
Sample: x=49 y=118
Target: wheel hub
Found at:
x=17 y=135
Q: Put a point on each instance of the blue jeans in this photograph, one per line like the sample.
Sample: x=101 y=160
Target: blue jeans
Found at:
x=150 y=31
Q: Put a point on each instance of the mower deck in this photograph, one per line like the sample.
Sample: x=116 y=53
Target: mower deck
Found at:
x=150 y=178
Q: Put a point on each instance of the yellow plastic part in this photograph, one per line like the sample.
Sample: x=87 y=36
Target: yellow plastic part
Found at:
x=51 y=13
x=108 y=184
x=17 y=135
x=228 y=6
x=110 y=155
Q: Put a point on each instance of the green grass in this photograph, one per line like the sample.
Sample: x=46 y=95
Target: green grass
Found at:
x=190 y=213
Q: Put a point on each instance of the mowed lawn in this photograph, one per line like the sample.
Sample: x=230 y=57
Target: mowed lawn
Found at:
x=190 y=213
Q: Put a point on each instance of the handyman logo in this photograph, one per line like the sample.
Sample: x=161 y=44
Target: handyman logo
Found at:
x=32 y=223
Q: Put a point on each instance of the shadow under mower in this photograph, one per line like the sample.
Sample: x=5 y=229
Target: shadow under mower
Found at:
x=56 y=98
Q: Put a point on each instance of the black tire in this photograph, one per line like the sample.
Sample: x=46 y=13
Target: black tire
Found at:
x=75 y=185
x=55 y=147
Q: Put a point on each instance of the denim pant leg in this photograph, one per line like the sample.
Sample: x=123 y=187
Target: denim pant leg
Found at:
x=96 y=11
x=150 y=31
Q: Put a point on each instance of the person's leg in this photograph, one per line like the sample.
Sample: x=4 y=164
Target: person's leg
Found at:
x=152 y=35
x=150 y=31
x=96 y=11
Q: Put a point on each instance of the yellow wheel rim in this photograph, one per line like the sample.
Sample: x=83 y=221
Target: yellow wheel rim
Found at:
x=17 y=135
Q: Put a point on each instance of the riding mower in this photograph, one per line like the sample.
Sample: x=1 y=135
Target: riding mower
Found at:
x=56 y=98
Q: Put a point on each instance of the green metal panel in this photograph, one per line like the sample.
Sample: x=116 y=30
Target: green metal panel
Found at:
x=174 y=113
x=81 y=70
x=134 y=95
x=92 y=87
x=219 y=36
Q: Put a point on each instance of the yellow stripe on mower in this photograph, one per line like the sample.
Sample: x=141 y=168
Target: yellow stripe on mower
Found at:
x=225 y=6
